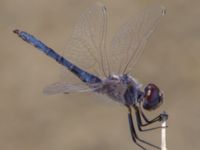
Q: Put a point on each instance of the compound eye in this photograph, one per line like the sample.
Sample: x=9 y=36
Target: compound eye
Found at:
x=148 y=94
x=153 y=97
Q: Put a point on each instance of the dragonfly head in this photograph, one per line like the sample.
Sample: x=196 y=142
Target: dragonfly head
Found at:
x=153 y=97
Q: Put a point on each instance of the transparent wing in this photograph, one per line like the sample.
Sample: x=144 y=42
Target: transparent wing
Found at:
x=128 y=42
x=86 y=48
x=63 y=87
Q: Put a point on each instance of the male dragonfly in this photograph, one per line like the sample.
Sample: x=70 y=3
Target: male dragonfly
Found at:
x=107 y=70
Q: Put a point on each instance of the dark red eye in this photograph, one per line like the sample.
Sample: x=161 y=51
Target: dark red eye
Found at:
x=153 y=97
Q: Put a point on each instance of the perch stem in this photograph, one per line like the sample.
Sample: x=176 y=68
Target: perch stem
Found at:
x=163 y=130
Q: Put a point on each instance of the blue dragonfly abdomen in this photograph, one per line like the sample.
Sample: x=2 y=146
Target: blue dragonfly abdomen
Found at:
x=81 y=74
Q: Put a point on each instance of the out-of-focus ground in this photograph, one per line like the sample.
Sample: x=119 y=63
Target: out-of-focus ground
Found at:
x=30 y=120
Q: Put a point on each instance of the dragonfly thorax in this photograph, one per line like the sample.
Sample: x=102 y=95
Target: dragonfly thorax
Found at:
x=121 y=88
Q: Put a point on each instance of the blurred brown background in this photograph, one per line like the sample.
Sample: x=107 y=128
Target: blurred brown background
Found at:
x=30 y=120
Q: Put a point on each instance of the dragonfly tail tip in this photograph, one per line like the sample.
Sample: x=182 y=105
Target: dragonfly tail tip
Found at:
x=16 y=31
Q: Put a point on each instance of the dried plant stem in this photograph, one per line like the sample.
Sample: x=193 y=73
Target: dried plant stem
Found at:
x=163 y=131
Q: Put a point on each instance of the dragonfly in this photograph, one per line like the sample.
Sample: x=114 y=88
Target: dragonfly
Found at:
x=106 y=68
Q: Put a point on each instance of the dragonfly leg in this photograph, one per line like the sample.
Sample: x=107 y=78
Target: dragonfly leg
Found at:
x=134 y=134
x=140 y=124
x=156 y=119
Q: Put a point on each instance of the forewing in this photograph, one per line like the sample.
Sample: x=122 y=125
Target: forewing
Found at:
x=128 y=42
